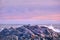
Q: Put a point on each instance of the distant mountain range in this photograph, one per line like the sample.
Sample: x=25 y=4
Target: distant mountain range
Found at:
x=30 y=32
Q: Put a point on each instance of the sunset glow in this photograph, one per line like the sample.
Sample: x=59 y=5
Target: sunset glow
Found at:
x=30 y=10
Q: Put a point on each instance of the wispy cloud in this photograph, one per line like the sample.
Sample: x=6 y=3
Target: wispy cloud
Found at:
x=55 y=17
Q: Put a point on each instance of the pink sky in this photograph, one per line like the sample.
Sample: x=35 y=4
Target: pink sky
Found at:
x=30 y=10
x=41 y=17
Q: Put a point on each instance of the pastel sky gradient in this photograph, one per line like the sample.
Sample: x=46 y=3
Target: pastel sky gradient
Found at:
x=30 y=11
